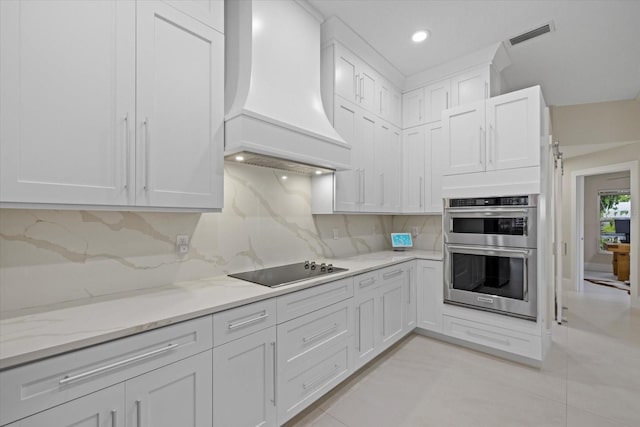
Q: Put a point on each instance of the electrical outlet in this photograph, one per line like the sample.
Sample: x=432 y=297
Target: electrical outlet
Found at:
x=335 y=234
x=182 y=244
x=414 y=231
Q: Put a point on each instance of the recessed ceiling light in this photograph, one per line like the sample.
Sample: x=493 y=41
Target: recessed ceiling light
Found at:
x=284 y=176
x=318 y=172
x=239 y=158
x=420 y=36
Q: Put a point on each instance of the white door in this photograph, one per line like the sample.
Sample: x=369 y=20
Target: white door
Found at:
x=410 y=309
x=435 y=165
x=68 y=101
x=436 y=100
x=393 y=174
x=413 y=108
x=366 y=332
x=392 y=306
x=180 y=83
x=383 y=92
x=413 y=168
x=470 y=87
x=348 y=183
x=366 y=136
x=244 y=381
x=395 y=100
x=346 y=75
x=381 y=155
x=179 y=394
x=463 y=131
x=367 y=89
x=104 y=408
x=513 y=130
x=430 y=282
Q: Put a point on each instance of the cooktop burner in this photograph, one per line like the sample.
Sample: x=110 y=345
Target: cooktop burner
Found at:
x=287 y=274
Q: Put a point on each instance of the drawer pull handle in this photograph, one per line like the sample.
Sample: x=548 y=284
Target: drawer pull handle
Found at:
x=391 y=274
x=113 y=418
x=367 y=282
x=488 y=338
x=246 y=322
x=118 y=364
x=321 y=333
x=139 y=413
x=313 y=383
x=275 y=393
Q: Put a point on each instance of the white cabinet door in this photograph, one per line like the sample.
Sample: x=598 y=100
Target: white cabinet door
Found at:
x=179 y=394
x=383 y=93
x=180 y=82
x=436 y=100
x=367 y=89
x=210 y=12
x=366 y=332
x=409 y=291
x=104 y=408
x=393 y=175
x=413 y=108
x=348 y=183
x=366 y=137
x=392 y=307
x=513 y=130
x=430 y=282
x=244 y=381
x=470 y=87
x=395 y=99
x=463 y=130
x=413 y=158
x=346 y=74
x=68 y=101
x=434 y=166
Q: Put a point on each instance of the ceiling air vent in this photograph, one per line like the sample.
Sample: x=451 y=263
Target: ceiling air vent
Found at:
x=536 y=32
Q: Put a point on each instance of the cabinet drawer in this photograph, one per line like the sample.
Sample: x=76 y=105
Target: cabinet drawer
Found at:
x=299 y=388
x=301 y=338
x=242 y=321
x=299 y=303
x=40 y=385
x=491 y=336
x=367 y=281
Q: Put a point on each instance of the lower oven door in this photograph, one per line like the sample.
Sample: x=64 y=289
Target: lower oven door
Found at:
x=492 y=278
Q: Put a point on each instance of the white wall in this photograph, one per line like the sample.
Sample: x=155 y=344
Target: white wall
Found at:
x=593 y=258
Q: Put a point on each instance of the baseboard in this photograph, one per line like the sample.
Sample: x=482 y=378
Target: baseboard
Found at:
x=604 y=268
x=479 y=347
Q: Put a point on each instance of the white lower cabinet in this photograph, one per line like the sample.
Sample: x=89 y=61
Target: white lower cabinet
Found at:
x=366 y=336
x=175 y=395
x=104 y=408
x=392 y=306
x=430 y=294
x=244 y=389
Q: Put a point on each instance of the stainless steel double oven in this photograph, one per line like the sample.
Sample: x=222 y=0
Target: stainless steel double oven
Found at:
x=490 y=258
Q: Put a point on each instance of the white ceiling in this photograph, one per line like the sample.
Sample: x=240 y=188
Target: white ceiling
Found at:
x=593 y=56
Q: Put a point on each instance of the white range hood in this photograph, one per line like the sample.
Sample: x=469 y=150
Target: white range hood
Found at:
x=272 y=94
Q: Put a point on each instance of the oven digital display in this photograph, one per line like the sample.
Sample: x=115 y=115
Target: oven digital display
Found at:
x=502 y=226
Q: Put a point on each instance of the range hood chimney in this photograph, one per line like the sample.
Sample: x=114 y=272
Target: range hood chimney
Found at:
x=272 y=93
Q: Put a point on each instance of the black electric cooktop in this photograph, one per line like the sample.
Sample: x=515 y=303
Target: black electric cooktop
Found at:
x=287 y=274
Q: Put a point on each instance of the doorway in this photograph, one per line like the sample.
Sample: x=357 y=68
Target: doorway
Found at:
x=581 y=179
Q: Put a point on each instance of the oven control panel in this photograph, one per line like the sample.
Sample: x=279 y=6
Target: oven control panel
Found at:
x=491 y=201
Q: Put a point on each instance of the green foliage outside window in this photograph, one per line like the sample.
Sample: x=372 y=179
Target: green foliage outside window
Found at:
x=608 y=211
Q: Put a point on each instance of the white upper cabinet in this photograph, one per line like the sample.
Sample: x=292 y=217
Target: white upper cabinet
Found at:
x=67 y=109
x=180 y=84
x=464 y=132
x=389 y=102
x=514 y=129
x=436 y=150
x=508 y=138
x=436 y=97
x=112 y=103
x=388 y=165
x=413 y=108
x=353 y=79
x=348 y=183
x=470 y=87
x=413 y=168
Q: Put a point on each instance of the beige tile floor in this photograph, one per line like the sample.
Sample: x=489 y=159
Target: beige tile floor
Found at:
x=590 y=378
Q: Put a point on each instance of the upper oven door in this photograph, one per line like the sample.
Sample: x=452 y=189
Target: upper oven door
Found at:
x=492 y=226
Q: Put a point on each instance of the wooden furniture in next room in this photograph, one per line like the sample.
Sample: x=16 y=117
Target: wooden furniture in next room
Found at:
x=620 y=259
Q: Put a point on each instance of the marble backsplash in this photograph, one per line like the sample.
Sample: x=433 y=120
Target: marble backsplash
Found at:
x=56 y=256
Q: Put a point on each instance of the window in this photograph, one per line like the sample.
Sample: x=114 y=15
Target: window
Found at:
x=613 y=205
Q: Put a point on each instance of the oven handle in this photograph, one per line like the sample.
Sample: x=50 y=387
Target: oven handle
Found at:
x=479 y=212
x=484 y=250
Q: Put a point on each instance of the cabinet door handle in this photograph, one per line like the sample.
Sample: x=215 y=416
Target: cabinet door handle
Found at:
x=139 y=413
x=358 y=328
x=126 y=151
x=313 y=383
x=486 y=90
x=419 y=110
x=361 y=88
x=421 y=191
x=446 y=100
x=319 y=334
x=356 y=83
x=246 y=322
x=382 y=189
x=273 y=352
x=391 y=274
x=367 y=282
x=481 y=145
x=491 y=143
x=114 y=416
x=69 y=379
x=145 y=125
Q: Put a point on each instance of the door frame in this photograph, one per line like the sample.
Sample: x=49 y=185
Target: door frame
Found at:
x=577 y=212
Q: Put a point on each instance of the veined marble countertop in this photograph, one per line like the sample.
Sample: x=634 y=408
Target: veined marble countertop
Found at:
x=48 y=333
